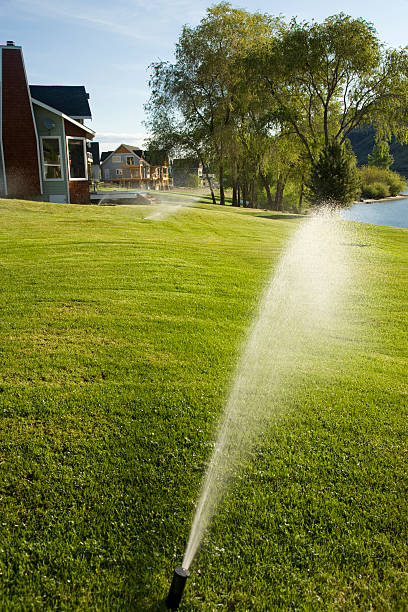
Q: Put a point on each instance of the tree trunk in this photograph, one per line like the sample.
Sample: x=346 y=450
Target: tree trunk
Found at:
x=268 y=191
x=234 y=194
x=222 y=194
x=280 y=186
x=300 y=198
x=238 y=195
x=244 y=194
x=209 y=180
x=214 y=201
x=253 y=194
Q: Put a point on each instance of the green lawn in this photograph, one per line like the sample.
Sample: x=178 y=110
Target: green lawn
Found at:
x=118 y=340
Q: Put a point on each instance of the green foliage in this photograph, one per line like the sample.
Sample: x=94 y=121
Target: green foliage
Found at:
x=396 y=182
x=193 y=180
x=380 y=182
x=381 y=156
x=239 y=77
x=363 y=141
x=322 y=80
x=334 y=177
x=375 y=190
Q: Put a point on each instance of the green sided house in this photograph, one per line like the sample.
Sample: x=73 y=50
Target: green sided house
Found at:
x=43 y=136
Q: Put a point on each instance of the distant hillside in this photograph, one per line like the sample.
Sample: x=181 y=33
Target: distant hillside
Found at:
x=362 y=142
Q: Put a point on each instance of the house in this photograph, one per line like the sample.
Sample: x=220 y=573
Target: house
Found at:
x=159 y=168
x=129 y=166
x=43 y=137
x=182 y=169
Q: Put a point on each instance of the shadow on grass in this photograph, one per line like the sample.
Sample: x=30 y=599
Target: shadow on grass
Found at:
x=291 y=216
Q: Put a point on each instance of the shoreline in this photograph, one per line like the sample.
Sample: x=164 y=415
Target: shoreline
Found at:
x=389 y=199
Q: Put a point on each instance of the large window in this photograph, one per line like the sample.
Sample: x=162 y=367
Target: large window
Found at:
x=77 y=159
x=130 y=161
x=51 y=154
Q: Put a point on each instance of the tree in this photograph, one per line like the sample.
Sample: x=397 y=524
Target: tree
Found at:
x=326 y=79
x=199 y=92
x=381 y=156
x=334 y=179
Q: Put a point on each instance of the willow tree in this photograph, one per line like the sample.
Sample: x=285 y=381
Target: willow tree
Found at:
x=201 y=88
x=380 y=156
x=328 y=78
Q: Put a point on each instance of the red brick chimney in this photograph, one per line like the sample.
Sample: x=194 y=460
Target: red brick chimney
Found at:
x=18 y=133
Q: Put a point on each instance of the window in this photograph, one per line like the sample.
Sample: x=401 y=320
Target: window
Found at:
x=77 y=159
x=119 y=172
x=116 y=159
x=51 y=154
x=130 y=161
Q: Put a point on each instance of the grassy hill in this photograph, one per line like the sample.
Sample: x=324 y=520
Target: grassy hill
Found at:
x=119 y=336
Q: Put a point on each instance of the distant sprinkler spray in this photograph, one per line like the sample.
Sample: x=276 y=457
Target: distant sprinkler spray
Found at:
x=177 y=587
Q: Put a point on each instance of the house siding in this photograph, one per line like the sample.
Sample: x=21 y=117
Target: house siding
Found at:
x=19 y=138
x=56 y=190
x=79 y=192
x=110 y=166
x=3 y=189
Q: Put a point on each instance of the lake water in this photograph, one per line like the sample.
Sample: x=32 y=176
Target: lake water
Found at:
x=392 y=212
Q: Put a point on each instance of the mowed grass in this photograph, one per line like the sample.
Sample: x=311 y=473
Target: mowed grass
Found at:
x=119 y=337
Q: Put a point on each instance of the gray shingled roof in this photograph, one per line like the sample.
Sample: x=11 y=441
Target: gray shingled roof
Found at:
x=105 y=154
x=72 y=100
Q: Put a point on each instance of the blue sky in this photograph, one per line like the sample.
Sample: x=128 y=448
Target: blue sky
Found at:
x=108 y=46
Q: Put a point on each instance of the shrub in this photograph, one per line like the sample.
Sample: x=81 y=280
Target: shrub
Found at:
x=375 y=191
x=396 y=182
x=380 y=182
x=193 y=180
x=334 y=178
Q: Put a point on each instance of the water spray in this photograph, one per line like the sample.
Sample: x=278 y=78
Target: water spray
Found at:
x=177 y=588
x=297 y=319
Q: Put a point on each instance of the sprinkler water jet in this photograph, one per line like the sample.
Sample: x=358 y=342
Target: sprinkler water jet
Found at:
x=176 y=588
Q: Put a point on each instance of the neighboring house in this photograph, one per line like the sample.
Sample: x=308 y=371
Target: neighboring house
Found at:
x=182 y=168
x=43 y=151
x=129 y=166
x=159 y=168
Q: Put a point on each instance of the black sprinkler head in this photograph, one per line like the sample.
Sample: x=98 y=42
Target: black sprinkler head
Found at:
x=177 y=587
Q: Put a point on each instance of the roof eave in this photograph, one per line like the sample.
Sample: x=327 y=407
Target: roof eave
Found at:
x=64 y=116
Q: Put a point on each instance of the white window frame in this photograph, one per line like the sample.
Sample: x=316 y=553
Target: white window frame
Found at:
x=62 y=178
x=132 y=162
x=85 y=158
x=119 y=172
x=116 y=159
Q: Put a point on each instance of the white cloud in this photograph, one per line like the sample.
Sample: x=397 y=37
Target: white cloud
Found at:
x=89 y=13
x=134 y=19
x=109 y=141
